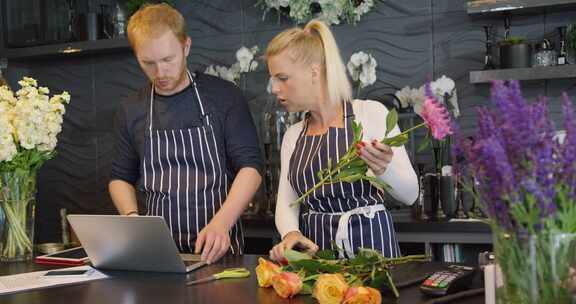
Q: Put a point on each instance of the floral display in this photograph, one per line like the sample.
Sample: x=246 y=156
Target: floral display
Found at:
x=444 y=90
x=30 y=120
x=351 y=168
x=330 y=12
x=329 y=280
x=362 y=69
x=246 y=63
x=525 y=179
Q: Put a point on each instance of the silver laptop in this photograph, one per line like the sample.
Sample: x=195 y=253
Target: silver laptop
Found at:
x=141 y=243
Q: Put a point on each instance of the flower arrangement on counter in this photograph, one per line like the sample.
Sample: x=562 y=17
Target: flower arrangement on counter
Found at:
x=330 y=12
x=356 y=280
x=525 y=178
x=30 y=120
x=246 y=63
x=362 y=69
x=351 y=168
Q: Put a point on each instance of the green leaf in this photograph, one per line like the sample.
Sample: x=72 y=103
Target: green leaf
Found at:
x=357 y=128
x=352 y=171
x=396 y=141
x=391 y=121
x=294 y=256
x=326 y=254
x=307 y=288
x=350 y=178
x=316 y=266
x=356 y=162
x=378 y=183
x=424 y=144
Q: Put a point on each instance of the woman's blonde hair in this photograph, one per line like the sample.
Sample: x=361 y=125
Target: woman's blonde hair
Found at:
x=315 y=44
x=153 y=20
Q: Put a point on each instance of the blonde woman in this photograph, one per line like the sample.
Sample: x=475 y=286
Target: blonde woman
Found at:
x=308 y=75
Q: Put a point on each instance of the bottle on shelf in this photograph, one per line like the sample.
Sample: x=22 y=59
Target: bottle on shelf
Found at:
x=119 y=21
x=562 y=51
x=488 y=58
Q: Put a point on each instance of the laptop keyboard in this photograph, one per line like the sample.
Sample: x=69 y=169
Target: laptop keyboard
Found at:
x=188 y=257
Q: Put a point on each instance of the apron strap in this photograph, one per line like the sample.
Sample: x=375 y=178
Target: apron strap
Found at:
x=342 y=239
x=150 y=111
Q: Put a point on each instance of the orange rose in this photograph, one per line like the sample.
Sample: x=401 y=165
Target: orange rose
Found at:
x=287 y=284
x=362 y=295
x=330 y=288
x=265 y=271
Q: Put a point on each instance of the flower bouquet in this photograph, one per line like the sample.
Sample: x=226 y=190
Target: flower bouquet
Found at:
x=29 y=123
x=362 y=69
x=356 y=280
x=525 y=178
x=444 y=90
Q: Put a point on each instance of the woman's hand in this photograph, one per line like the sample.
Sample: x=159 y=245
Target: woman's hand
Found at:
x=290 y=240
x=376 y=155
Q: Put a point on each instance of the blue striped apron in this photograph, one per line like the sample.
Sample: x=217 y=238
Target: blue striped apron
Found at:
x=185 y=179
x=351 y=215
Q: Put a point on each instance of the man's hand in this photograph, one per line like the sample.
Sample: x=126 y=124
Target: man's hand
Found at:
x=213 y=241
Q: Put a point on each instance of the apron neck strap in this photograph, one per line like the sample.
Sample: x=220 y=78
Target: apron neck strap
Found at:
x=152 y=100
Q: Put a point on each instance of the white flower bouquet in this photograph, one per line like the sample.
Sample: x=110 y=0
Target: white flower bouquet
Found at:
x=30 y=120
x=362 y=69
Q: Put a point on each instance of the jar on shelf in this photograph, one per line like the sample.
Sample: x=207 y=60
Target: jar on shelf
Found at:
x=545 y=55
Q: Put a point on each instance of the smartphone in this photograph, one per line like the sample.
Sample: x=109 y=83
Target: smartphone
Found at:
x=68 y=273
x=72 y=256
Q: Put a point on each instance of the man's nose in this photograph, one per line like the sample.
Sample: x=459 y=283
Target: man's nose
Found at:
x=160 y=70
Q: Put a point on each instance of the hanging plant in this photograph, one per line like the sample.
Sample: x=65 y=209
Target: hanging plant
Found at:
x=329 y=11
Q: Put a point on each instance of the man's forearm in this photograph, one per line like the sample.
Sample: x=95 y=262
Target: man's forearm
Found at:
x=124 y=197
x=241 y=193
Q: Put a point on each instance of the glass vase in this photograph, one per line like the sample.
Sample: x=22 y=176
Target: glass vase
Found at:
x=536 y=269
x=17 y=201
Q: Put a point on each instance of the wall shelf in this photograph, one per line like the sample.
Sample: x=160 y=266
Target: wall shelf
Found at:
x=533 y=73
x=495 y=6
x=64 y=49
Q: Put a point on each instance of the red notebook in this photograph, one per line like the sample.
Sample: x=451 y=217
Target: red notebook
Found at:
x=69 y=257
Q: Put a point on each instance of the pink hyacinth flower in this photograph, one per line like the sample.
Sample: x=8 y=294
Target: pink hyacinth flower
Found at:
x=436 y=118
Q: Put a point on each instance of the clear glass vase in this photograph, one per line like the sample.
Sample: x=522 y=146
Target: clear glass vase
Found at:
x=537 y=268
x=17 y=201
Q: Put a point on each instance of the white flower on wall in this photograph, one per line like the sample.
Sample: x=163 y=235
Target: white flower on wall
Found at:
x=245 y=64
x=362 y=69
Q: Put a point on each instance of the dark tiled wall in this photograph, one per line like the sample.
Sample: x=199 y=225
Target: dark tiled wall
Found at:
x=412 y=41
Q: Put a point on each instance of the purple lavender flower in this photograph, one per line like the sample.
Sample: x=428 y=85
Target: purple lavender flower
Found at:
x=568 y=150
x=515 y=155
